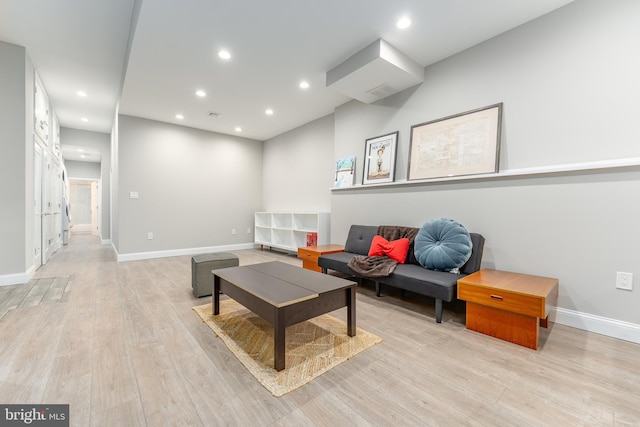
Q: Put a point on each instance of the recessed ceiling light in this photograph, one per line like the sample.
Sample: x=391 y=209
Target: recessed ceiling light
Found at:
x=224 y=54
x=403 y=23
x=81 y=149
x=81 y=94
x=238 y=129
x=201 y=93
x=269 y=112
x=304 y=84
x=84 y=119
x=179 y=116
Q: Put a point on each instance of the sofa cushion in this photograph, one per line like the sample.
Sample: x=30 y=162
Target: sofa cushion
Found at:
x=415 y=278
x=338 y=261
x=443 y=245
x=359 y=239
x=396 y=249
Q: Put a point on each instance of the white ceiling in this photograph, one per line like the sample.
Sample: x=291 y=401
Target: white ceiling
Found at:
x=83 y=45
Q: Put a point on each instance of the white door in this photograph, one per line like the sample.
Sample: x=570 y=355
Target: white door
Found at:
x=37 y=203
x=94 y=208
x=80 y=200
x=47 y=208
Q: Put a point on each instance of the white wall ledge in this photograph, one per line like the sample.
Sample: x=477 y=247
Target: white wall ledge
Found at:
x=563 y=169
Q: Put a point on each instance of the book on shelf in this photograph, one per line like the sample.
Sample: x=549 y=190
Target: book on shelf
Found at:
x=312 y=239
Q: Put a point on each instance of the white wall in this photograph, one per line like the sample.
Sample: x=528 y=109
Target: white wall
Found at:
x=115 y=184
x=194 y=187
x=569 y=85
x=295 y=176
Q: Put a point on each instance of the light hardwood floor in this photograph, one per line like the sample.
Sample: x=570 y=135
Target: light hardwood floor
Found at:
x=123 y=346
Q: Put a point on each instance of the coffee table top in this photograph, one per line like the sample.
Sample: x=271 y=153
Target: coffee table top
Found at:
x=281 y=284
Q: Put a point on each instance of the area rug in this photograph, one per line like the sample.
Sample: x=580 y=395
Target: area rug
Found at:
x=312 y=347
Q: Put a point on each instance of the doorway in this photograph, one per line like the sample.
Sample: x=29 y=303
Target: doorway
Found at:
x=83 y=200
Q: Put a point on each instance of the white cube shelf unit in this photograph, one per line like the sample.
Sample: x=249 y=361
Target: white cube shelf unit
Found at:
x=289 y=230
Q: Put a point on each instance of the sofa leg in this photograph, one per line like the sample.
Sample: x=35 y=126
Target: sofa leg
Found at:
x=378 y=289
x=438 y=310
x=324 y=270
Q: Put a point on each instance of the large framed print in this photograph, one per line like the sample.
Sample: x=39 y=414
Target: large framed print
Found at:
x=463 y=144
x=380 y=159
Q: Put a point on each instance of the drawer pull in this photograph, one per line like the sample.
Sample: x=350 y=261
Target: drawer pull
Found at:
x=496 y=297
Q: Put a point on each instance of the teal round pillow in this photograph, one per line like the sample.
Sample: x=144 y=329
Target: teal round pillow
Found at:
x=442 y=245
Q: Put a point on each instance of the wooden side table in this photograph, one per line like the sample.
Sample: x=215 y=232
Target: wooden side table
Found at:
x=507 y=305
x=310 y=254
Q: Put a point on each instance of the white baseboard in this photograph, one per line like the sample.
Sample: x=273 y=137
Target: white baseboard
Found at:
x=598 y=324
x=179 y=252
x=105 y=241
x=18 y=278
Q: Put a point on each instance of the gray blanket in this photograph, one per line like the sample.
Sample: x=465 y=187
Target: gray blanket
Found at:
x=382 y=266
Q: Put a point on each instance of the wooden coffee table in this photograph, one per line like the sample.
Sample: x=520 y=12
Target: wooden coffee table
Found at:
x=284 y=295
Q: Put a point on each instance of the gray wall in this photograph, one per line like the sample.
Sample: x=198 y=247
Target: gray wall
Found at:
x=12 y=161
x=97 y=141
x=194 y=187
x=295 y=175
x=82 y=170
x=16 y=164
x=569 y=85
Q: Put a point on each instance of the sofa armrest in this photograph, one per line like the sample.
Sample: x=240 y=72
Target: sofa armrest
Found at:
x=473 y=263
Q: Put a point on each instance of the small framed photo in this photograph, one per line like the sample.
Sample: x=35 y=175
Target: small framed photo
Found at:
x=345 y=172
x=380 y=159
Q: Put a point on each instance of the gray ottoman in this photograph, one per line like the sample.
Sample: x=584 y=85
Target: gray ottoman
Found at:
x=201 y=266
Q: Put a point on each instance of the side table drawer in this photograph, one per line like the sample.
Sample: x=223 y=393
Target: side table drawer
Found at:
x=528 y=305
x=307 y=255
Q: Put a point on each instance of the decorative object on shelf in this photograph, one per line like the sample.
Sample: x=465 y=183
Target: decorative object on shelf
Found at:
x=345 y=172
x=312 y=239
x=463 y=144
x=380 y=159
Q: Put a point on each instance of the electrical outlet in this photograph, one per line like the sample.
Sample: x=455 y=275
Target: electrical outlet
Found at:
x=248 y=230
x=624 y=281
x=233 y=231
x=150 y=235
x=134 y=195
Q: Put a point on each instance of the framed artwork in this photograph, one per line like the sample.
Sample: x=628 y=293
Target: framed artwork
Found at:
x=345 y=172
x=463 y=144
x=380 y=159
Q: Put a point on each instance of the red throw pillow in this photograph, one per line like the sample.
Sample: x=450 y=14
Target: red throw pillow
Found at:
x=396 y=249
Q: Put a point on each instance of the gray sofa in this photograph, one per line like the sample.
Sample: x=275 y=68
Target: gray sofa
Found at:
x=410 y=276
